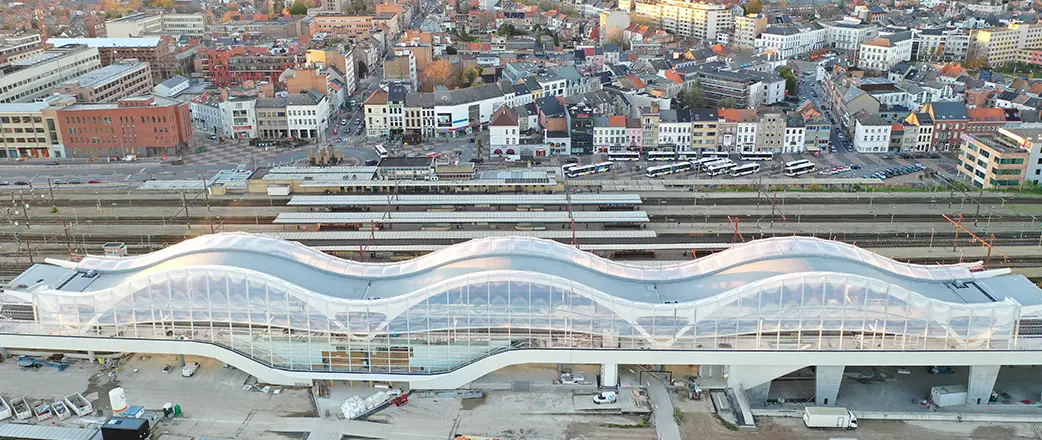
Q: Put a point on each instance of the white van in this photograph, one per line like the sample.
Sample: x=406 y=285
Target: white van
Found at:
x=190 y=369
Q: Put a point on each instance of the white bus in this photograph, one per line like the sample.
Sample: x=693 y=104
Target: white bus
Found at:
x=687 y=154
x=628 y=155
x=756 y=155
x=568 y=166
x=381 y=151
x=720 y=167
x=583 y=170
x=798 y=167
x=716 y=154
x=745 y=170
x=663 y=170
x=662 y=155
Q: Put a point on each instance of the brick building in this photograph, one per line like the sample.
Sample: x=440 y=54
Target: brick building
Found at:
x=139 y=126
x=158 y=52
x=236 y=65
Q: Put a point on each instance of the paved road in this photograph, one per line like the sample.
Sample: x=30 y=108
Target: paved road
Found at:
x=665 y=423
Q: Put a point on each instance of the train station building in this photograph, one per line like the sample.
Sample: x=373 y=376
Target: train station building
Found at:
x=290 y=314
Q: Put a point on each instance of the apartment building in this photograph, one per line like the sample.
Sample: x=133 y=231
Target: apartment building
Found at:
x=15 y=45
x=609 y=134
x=790 y=41
x=848 y=35
x=144 y=24
x=950 y=120
x=747 y=28
x=158 y=52
x=139 y=126
x=31 y=130
x=504 y=135
x=701 y=21
x=795 y=140
x=941 y=44
x=1001 y=45
x=871 y=134
x=348 y=27
x=29 y=78
x=235 y=65
x=249 y=29
x=770 y=131
x=272 y=122
x=884 y=52
x=705 y=129
x=993 y=160
x=674 y=130
x=738 y=129
x=110 y=83
x=1029 y=140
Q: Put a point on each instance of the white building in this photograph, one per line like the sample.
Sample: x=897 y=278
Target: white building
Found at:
x=172 y=87
x=184 y=24
x=847 y=34
x=307 y=115
x=795 y=136
x=941 y=44
x=207 y=114
x=791 y=40
x=142 y=24
x=33 y=77
x=239 y=117
x=871 y=135
x=674 y=130
x=700 y=21
x=884 y=52
x=504 y=135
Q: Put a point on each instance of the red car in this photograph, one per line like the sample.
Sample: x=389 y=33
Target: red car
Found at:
x=94 y=181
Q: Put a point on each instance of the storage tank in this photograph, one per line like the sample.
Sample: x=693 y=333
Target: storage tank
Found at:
x=118 y=399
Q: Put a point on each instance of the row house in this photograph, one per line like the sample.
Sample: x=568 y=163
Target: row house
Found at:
x=871 y=134
x=236 y=65
x=737 y=129
x=817 y=129
x=791 y=41
x=440 y=114
x=950 y=121
x=610 y=135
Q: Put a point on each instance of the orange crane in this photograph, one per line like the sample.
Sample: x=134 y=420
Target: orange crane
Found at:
x=372 y=225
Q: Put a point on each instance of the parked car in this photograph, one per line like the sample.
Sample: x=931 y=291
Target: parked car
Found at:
x=75 y=182
x=477 y=160
x=4 y=182
x=211 y=137
x=605 y=397
x=167 y=368
x=58 y=181
x=21 y=183
x=941 y=370
x=572 y=160
x=94 y=181
x=190 y=369
x=372 y=162
x=471 y=140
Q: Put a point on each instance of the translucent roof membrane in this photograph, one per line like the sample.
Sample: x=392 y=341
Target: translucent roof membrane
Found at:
x=550 y=251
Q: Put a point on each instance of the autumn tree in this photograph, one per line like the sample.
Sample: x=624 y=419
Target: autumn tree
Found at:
x=485 y=19
x=754 y=7
x=134 y=5
x=298 y=8
x=439 y=72
x=617 y=36
x=113 y=8
x=164 y=4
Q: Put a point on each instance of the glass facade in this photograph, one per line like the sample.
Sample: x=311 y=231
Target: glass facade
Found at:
x=452 y=321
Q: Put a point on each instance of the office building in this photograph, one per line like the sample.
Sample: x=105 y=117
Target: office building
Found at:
x=138 y=126
x=993 y=160
x=159 y=52
x=35 y=76
x=700 y=21
x=31 y=129
x=110 y=83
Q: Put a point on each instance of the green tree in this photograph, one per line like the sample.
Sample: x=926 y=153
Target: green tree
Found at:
x=728 y=103
x=754 y=7
x=691 y=97
x=790 y=79
x=469 y=77
x=298 y=8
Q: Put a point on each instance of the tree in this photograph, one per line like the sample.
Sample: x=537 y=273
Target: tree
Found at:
x=484 y=20
x=691 y=97
x=469 y=77
x=438 y=72
x=163 y=4
x=617 y=36
x=298 y=8
x=508 y=30
x=754 y=7
x=113 y=8
x=728 y=103
x=790 y=79
x=134 y=5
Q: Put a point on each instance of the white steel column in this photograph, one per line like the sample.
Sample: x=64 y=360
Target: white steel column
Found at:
x=609 y=375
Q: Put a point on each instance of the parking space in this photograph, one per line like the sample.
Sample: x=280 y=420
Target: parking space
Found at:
x=904 y=389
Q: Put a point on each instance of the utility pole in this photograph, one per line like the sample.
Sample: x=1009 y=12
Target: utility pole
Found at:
x=184 y=205
x=50 y=188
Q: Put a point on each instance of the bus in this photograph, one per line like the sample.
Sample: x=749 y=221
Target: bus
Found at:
x=568 y=166
x=628 y=155
x=719 y=167
x=716 y=154
x=663 y=170
x=798 y=167
x=745 y=170
x=662 y=155
x=583 y=170
x=381 y=151
x=756 y=155
x=687 y=154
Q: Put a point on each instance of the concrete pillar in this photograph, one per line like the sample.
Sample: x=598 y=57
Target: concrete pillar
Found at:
x=3 y=353
x=181 y=360
x=609 y=375
x=826 y=384
x=758 y=394
x=981 y=384
x=560 y=368
x=92 y=357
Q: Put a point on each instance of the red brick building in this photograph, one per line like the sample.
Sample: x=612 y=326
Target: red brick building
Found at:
x=233 y=66
x=138 y=126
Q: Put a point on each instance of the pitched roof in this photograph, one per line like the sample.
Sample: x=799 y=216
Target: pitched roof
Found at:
x=504 y=117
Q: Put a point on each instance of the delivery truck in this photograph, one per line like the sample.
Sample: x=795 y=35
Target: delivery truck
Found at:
x=949 y=395
x=829 y=417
